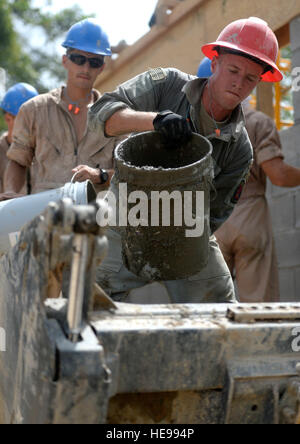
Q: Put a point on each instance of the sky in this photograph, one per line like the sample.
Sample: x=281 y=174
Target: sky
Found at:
x=121 y=19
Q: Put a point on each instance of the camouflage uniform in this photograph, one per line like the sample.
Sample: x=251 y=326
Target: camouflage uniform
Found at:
x=246 y=238
x=158 y=90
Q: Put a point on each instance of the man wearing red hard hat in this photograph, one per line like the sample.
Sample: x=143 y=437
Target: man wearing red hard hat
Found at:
x=177 y=104
x=251 y=38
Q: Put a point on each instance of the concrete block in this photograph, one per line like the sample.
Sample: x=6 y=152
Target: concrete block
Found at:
x=275 y=192
x=287 y=285
x=290 y=143
x=297 y=209
x=297 y=284
x=296 y=84
x=282 y=211
x=295 y=33
x=295 y=48
x=288 y=249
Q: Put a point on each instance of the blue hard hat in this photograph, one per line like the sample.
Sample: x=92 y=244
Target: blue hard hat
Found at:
x=204 y=69
x=16 y=96
x=88 y=36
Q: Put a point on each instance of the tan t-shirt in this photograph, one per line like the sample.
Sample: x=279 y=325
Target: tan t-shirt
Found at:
x=4 y=146
x=44 y=138
x=266 y=144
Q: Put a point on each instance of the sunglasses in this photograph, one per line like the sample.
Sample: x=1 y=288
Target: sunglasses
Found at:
x=80 y=60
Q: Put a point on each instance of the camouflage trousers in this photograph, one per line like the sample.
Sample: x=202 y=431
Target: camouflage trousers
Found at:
x=212 y=284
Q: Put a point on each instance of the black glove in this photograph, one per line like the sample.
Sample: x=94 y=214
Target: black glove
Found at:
x=172 y=125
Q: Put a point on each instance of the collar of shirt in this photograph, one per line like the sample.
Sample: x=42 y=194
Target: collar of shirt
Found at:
x=194 y=90
x=4 y=144
x=58 y=92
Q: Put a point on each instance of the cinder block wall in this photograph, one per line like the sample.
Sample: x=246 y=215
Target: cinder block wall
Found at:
x=285 y=211
x=285 y=202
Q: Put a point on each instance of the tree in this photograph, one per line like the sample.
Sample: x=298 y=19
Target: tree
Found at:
x=23 y=61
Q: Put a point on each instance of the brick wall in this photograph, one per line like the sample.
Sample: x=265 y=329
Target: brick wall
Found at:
x=285 y=211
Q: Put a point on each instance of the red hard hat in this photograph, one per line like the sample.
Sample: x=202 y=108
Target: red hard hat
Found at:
x=250 y=36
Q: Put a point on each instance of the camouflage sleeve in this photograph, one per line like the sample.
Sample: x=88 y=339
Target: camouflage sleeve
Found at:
x=145 y=92
x=229 y=182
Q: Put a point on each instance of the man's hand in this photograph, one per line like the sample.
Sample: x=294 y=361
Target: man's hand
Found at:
x=10 y=195
x=172 y=125
x=84 y=172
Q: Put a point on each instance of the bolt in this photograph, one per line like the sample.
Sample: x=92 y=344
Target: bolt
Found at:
x=289 y=415
x=298 y=368
x=295 y=387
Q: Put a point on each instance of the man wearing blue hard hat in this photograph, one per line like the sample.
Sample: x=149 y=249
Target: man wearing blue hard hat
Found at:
x=50 y=132
x=204 y=69
x=10 y=104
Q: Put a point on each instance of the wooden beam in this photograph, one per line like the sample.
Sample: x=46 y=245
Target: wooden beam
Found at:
x=283 y=35
x=264 y=98
x=192 y=24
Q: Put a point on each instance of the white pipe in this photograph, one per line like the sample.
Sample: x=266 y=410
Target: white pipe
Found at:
x=15 y=213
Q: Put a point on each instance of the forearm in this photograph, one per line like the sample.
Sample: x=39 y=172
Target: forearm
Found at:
x=127 y=121
x=281 y=174
x=14 y=177
x=291 y=176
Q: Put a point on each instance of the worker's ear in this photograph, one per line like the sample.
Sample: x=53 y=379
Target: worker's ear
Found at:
x=64 y=61
x=9 y=118
x=102 y=68
x=214 y=63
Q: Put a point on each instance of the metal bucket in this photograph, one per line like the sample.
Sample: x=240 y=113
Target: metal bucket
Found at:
x=15 y=213
x=148 y=166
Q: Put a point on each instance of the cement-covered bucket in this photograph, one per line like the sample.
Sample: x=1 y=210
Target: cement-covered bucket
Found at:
x=166 y=236
x=15 y=213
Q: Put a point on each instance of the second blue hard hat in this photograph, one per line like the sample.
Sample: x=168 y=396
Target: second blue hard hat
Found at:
x=88 y=36
x=16 y=96
x=204 y=69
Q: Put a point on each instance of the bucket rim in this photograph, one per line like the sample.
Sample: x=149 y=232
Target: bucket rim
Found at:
x=152 y=176
x=160 y=170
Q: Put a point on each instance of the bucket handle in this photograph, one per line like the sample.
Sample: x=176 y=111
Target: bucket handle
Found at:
x=73 y=177
x=209 y=183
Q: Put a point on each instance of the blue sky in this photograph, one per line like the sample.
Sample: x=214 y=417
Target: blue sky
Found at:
x=121 y=19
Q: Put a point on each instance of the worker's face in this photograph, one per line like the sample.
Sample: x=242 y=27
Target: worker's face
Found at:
x=10 y=121
x=234 y=77
x=82 y=76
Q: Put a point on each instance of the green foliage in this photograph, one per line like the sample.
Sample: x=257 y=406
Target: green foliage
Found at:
x=18 y=58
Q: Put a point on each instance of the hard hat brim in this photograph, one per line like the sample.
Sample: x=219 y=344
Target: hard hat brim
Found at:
x=275 y=76
x=106 y=52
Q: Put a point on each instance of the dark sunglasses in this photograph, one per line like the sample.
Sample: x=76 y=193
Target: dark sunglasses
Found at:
x=80 y=60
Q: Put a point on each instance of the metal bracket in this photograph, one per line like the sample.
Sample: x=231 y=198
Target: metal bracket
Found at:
x=248 y=313
x=77 y=225
x=290 y=401
x=254 y=389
